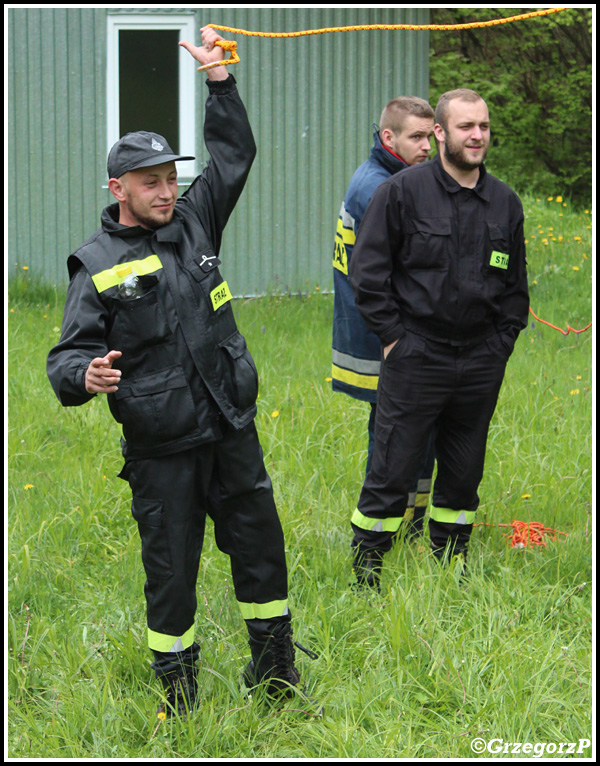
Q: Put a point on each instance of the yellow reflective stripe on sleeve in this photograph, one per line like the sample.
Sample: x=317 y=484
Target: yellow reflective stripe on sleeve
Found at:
x=162 y=642
x=263 y=611
x=343 y=236
x=448 y=516
x=354 y=378
x=220 y=295
x=376 y=525
x=346 y=234
x=109 y=277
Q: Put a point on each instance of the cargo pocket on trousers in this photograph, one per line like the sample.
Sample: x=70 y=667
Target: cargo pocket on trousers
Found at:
x=380 y=460
x=155 y=540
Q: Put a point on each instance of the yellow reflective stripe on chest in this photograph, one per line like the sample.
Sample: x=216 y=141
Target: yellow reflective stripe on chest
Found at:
x=109 y=277
x=220 y=295
x=499 y=260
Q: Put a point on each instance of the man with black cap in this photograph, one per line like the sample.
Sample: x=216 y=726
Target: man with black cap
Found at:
x=148 y=321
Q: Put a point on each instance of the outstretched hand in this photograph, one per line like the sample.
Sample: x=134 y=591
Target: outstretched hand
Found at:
x=208 y=53
x=100 y=377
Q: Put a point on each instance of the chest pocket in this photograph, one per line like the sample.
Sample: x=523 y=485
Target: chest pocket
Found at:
x=213 y=293
x=204 y=268
x=496 y=259
x=139 y=323
x=427 y=243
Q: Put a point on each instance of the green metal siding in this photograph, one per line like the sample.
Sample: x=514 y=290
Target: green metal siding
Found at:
x=311 y=100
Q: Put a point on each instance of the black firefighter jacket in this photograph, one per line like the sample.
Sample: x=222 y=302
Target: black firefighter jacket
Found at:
x=442 y=260
x=185 y=366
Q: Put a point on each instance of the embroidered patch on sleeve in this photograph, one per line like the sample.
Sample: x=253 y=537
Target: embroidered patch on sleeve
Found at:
x=220 y=295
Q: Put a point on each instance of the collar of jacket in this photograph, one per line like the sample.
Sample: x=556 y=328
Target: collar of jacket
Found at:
x=171 y=232
x=452 y=186
x=384 y=156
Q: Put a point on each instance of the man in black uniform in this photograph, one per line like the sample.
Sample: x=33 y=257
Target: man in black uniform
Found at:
x=180 y=380
x=439 y=274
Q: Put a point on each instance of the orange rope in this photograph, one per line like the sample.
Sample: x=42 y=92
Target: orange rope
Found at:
x=528 y=533
x=470 y=25
x=231 y=45
x=554 y=327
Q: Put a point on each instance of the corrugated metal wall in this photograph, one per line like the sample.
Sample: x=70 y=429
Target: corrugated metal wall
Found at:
x=311 y=100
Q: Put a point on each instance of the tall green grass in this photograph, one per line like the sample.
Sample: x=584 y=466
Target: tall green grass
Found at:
x=421 y=670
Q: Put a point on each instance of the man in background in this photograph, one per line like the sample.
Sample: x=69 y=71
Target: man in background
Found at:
x=402 y=140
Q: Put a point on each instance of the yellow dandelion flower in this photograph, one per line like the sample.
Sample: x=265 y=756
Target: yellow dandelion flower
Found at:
x=575 y=268
x=549 y=199
x=574 y=391
x=559 y=198
x=25 y=268
x=328 y=380
x=525 y=496
x=28 y=486
x=275 y=414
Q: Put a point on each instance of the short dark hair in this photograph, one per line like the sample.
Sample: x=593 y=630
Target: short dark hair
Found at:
x=395 y=113
x=441 y=110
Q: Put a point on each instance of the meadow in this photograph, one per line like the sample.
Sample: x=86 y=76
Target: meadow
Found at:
x=426 y=669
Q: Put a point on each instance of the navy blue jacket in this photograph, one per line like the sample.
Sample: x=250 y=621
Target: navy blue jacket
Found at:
x=356 y=352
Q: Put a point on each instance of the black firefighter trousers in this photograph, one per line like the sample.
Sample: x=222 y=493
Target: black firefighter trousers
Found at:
x=429 y=386
x=172 y=495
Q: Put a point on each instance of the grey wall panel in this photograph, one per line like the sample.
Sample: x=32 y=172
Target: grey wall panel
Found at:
x=311 y=100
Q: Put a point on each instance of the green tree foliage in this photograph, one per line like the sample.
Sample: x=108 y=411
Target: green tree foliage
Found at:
x=536 y=76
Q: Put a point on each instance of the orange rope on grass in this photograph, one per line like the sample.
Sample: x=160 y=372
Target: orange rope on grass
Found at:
x=528 y=533
x=554 y=327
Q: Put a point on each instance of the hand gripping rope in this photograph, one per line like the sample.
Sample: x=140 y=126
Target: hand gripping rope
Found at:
x=231 y=45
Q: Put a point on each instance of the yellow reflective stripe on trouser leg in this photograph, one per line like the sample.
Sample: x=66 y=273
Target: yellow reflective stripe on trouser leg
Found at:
x=448 y=516
x=361 y=521
x=263 y=611
x=162 y=642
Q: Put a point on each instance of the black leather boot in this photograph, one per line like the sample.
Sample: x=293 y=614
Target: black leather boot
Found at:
x=367 y=564
x=177 y=673
x=273 y=661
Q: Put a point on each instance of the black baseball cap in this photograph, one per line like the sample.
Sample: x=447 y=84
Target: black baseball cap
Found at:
x=141 y=149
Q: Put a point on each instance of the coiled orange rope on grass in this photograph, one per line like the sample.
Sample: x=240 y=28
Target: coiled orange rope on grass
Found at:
x=231 y=45
x=528 y=533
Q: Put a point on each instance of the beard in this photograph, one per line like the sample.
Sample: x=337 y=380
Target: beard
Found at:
x=455 y=156
x=147 y=219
